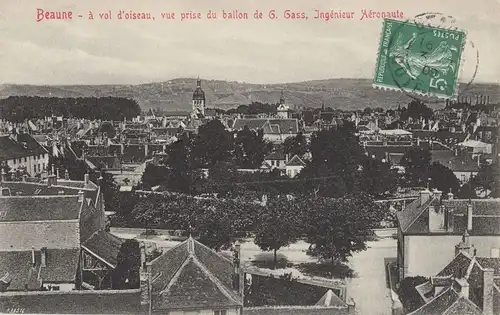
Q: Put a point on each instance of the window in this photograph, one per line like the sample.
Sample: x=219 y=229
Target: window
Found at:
x=220 y=312
x=25 y=160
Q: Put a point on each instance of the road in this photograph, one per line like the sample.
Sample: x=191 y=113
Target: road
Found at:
x=368 y=288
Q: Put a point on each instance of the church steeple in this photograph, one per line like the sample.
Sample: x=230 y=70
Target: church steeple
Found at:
x=198 y=99
x=282 y=98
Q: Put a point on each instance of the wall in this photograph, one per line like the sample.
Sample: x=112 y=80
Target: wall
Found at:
x=52 y=234
x=30 y=163
x=74 y=302
x=427 y=255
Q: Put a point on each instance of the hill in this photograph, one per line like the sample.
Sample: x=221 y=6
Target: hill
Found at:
x=176 y=94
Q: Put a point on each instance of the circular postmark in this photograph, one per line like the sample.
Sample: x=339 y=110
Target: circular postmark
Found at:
x=425 y=57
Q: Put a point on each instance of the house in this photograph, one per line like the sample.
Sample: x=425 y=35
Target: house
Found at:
x=294 y=166
x=463 y=166
x=277 y=159
x=431 y=225
x=469 y=284
x=54 y=250
x=191 y=278
x=22 y=151
x=275 y=130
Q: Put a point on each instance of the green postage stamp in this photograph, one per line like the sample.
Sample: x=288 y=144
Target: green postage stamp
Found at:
x=419 y=59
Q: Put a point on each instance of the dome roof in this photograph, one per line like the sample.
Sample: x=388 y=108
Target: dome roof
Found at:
x=198 y=93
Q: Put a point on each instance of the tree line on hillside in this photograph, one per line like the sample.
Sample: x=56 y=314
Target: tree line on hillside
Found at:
x=20 y=108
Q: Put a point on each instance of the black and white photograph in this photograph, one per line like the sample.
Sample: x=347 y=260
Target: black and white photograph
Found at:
x=250 y=157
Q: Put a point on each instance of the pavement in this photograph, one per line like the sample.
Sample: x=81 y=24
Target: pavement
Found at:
x=368 y=288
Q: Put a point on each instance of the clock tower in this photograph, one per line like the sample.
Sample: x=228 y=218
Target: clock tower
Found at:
x=198 y=100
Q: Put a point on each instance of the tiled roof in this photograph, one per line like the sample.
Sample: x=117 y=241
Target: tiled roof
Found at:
x=412 y=211
x=39 y=208
x=485 y=220
x=105 y=245
x=457 y=267
x=330 y=299
x=61 y=266
x=296 y=310
x=276 y=155
x=296 y=161
x=25 y=145
x=191 y=275
x=490 y=262
x=448 y=302
x=278 y=126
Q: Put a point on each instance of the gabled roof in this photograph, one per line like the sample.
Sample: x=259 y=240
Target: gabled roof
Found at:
x=39 y=208
x=296 y=161
x=20 y=145
x=448 y=302
x=485 y=216
x=330 y=299
x=61 y=266
x=104 y=246
x=276 y=155
x=191 y=275
x=457 y=267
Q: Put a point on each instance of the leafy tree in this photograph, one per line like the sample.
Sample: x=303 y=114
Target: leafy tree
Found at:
x=377 y=178
x=126 y=273
x=146 y=212
x=417 y=163
x=466 y=192
x=408 y=295
x=278 y=225
x=154 y=175
x=250 y=148
x=336 y=156
x=213 y=144
x=488 y=180
x=295 y=145
x=336 y=228
x=443 y=179
x=416 y=110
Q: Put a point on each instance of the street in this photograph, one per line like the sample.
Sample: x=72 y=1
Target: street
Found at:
x=368 y=288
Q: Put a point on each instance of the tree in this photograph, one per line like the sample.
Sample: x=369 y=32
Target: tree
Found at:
x=278 y=225
x=295 y=145
x=213 y=144
x=488 y=180
x=408 y=295
x=417 y=163
x=153 y=175
x=336 y=156
x=416 y=110
x=336 y=228
x=377 y=178
x=146 y=212
x=466 y=192
x=126 y=273
x=250 y=148
x=443 y=179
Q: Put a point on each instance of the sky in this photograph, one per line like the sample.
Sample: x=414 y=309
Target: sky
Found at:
x=83 y=51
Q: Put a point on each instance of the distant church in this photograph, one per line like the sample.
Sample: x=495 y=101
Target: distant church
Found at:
x=283 y=109
x=199 y=101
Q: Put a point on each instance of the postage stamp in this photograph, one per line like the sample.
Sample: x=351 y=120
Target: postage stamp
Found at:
x=419 y=59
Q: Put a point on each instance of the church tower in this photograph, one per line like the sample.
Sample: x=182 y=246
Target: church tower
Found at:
x=198 y=100
x=283 y=109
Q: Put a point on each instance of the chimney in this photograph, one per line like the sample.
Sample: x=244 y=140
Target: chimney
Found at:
x=51 y=180
x=3 y=177
x=424 y=196
x=57 y=173
x=488 y=274
x=43 y=257
x=66 y=175
x=86 y=179
x=80 y=196
x=464 y=287
x=469 y=216
x=33 y=259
